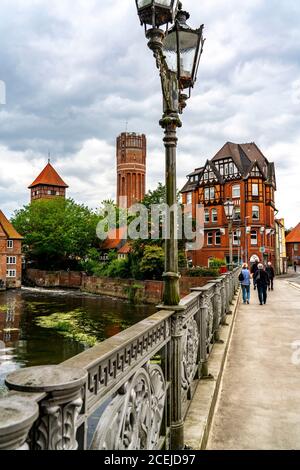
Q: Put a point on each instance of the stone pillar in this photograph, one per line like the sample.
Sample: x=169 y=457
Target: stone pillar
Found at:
x=17 y=416
x=177 y=424
x=56 y=426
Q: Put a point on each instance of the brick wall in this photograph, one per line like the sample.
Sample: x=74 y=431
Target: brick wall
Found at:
x=149 y=292
x=71 y=279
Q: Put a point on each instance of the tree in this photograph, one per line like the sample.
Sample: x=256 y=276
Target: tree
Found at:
x=57 y=232
x=152 y=264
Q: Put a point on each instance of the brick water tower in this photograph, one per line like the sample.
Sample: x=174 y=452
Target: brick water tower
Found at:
x=131 y=168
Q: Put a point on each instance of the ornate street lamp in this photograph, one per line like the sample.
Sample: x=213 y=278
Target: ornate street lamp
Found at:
x=177 y=52
x=156 y=12
x=229 y=212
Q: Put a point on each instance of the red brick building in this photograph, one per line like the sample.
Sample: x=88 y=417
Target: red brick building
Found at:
x=10 y=255
x=131 y=168
x=293 y=245
x=242 y=173
x=48 y=185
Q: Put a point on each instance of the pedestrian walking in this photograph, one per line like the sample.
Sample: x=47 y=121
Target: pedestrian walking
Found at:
x=271 y=273
x=245 y=278
x=262 y=282
x=295 y=266
x=254 y=269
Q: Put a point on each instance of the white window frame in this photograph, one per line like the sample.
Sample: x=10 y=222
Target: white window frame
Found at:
x=255 y=193
x=236 y=237
x=10 y=244
x=189 y=198
x=210 y=235
x=256 y=210
x=214 y=215
x=219 y=235
x=236 y=191
x=254 y=241
x=206 y=219
x=237 y=210
x=11 y=273
x=11 y=260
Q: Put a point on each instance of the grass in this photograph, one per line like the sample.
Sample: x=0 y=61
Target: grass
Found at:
x=70 y=326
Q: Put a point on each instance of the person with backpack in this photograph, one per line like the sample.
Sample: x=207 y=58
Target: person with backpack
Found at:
x=244 y=279
x=262 y=282
x=271 y=274
x=254 y=269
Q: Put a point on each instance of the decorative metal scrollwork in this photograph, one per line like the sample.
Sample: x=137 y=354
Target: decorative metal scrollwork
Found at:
x=133 y=419
x=190 y=352
x=210 y=321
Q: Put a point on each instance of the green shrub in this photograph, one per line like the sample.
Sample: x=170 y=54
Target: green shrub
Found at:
x=217 y=263
x=203 y=272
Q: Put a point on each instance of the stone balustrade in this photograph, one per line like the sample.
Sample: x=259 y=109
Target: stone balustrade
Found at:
x=130 y=392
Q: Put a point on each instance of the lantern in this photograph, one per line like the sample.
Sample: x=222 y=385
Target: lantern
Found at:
x=157 y=12
x=183 y=47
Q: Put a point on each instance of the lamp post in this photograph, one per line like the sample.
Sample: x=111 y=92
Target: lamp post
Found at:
x=246 y=239
x=177 y=52
x=229 y=212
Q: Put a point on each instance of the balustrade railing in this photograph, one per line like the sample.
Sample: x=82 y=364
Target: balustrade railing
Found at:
x=131 y=392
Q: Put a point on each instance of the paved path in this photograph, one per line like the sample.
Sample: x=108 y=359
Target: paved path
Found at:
x=259 y=402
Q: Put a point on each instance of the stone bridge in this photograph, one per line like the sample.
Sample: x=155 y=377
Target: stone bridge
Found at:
x=136 y=390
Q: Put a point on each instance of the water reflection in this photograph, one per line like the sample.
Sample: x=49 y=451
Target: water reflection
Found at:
x=24 y=343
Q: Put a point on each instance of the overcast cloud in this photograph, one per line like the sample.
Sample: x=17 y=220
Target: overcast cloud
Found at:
x=77 y=70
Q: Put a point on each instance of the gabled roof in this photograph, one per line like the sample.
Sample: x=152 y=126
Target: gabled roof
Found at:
x=243 y=155
x=294 y=235
x=49 y=177
x=125 y=250
x=115 y=240
x=8 y=228
x=213 y=168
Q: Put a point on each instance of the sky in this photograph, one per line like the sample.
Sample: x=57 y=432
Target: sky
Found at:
x=76 y=71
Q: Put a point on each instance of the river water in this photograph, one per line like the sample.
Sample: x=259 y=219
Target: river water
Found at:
x=28 y=338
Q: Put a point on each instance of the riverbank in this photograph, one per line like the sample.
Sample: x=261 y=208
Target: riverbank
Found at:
x=140 y=292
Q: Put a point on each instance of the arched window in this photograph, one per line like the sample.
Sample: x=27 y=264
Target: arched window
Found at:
x=214 y=215
x=255 y=212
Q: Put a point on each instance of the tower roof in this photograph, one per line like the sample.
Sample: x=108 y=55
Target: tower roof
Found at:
x=8 y=228
x=49 y=177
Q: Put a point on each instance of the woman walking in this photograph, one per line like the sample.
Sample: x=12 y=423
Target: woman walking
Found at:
x=245 y=277
x=262 y=282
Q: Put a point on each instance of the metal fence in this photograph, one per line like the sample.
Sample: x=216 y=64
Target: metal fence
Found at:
x=130 y=392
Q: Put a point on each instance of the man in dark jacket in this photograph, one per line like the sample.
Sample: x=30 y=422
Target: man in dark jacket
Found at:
x=254 y=269
x=262 y=282
x=271 y=273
